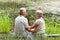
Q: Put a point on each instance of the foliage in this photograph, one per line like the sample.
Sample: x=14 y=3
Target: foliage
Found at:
x=5 y=23
x=11 y=37
x=9 y=11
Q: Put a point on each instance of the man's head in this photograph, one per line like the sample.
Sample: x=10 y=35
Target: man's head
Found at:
x=23 y=11
x=39 y=13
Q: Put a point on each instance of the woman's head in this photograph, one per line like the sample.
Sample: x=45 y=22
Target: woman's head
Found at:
x=38 y=13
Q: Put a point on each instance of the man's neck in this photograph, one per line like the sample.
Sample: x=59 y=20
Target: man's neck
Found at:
x=39 y=17
x=22 y=15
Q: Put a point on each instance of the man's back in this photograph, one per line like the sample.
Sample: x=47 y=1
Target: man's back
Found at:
x=20 y=24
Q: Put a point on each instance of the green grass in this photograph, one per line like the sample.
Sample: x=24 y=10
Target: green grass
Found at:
x=10 y=37
x=10 y=10
x=5 y=23
x=53 y=26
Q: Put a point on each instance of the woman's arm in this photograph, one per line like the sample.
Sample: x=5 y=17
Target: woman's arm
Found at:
x=34 y=25
x=32 y=28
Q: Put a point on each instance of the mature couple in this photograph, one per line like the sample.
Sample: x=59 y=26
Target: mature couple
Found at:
x=31 y=32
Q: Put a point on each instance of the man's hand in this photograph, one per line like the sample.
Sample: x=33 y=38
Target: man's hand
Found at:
x=26 y=29
x=31 y=30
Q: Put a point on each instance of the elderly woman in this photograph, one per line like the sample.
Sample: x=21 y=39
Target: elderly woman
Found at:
x=38 y=28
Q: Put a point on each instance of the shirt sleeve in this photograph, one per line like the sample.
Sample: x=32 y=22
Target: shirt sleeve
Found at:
x=37 y=22
x=26 y=23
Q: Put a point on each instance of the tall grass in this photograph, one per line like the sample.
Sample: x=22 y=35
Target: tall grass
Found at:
x=52 y=24
x=4 y=23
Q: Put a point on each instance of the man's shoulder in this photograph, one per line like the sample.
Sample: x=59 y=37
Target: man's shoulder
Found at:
x=17 y=17
x=24 y=18
x=21 y=18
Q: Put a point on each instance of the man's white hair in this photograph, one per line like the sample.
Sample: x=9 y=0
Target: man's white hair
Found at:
x=24 y=9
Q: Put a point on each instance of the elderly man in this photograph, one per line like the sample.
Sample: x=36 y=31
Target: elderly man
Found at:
x=21 y=23
x=38 y=28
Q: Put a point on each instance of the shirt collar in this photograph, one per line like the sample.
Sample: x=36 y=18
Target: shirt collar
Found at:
x=21 y=16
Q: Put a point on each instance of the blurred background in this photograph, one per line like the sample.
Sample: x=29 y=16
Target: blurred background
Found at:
x=9 y=10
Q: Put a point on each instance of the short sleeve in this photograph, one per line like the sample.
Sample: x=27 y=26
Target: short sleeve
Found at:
x=37 y=22
x=25 y=23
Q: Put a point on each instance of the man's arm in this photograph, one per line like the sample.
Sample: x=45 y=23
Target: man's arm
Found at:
x=32 y=28
x=34 y=25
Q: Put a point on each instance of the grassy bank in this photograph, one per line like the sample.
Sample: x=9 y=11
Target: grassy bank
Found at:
x=10 y=10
